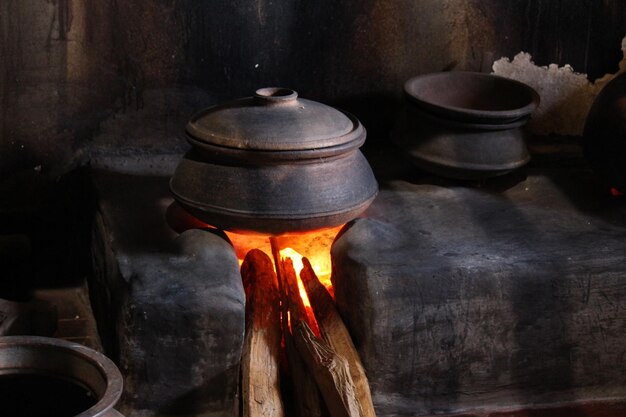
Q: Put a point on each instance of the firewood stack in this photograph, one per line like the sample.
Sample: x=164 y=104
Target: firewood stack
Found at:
x=325 y=369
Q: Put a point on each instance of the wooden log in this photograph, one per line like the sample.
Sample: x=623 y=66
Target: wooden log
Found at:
x=260 y=380
x=307 y=397
x=330 y=371
x=308 y=400
x=336 y=334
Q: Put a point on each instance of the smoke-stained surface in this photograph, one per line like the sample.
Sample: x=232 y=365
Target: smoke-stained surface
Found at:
x=56 y=74
x=68 y=65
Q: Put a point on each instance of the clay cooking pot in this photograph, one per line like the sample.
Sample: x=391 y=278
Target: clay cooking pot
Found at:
x=45 y=376
x=465 y=125
x=274 y=163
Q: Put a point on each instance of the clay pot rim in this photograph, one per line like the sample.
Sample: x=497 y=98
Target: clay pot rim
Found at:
x=468 y=126
x=274 y=224
x=105 y=367
x=509 y=115
x=284 y=215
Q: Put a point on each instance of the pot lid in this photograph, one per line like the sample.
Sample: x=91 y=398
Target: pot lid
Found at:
x=275 y=119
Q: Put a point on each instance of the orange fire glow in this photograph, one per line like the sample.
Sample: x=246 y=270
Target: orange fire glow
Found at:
x=296 y=259
x=320 y=263
x=298 y=265
x=315 y=246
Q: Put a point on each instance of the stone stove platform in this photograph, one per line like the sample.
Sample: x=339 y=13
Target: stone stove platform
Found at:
x=170 y=308
x=465 y=298
x=460 y=297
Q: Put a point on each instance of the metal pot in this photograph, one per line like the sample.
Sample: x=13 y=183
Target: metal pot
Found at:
x=33 y=366
x=274 y=163
x=465 y=125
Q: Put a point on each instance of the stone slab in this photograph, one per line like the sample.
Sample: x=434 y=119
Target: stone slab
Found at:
x=465 y=298
x=170 y=307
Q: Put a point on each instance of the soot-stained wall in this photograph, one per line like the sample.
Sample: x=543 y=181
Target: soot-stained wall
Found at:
x=78 y=74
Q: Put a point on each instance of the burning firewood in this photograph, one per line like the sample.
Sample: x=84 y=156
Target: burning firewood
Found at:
x=329 y=370
x=307 y=395
x=260 y=384
x=336 y=334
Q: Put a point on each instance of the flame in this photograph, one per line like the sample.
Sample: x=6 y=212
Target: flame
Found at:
x=296 y=259
x=314 y=245
x=298 y=265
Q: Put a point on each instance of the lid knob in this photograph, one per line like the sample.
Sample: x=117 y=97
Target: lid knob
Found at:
x=275 y=95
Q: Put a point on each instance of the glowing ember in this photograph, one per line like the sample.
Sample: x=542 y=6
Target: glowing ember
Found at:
x=319 y=261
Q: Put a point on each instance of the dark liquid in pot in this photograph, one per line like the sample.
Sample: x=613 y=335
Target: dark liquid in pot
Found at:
x=35 y=395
